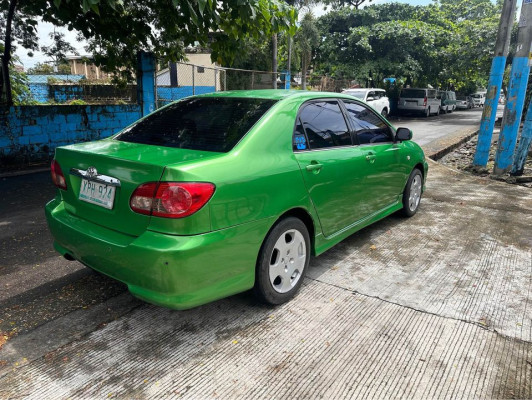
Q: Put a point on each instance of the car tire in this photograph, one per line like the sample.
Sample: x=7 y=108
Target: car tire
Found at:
x=283 y=261
x=412 y=193
x=384 y=112
x=427 y=113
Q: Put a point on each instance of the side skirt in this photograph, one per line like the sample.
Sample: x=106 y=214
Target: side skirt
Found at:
x=323 y=244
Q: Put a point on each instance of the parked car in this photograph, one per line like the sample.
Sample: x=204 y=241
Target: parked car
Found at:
x=478 y=99
x=464 y=102
x=376 y=98
x=216 y=194
x=448 y=101
x=420 y=101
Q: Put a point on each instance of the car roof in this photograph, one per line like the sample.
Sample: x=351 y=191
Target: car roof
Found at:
x=273 y=94
x=362 y=90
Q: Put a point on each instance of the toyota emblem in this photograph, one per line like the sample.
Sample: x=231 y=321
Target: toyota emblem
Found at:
x=92 y=172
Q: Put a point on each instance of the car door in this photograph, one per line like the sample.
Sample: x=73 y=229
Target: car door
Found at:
x=329 y=163
x=386 y=168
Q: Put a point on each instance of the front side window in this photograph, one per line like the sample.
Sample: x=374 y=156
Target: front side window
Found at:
x=369 y=127
x=208 y=123
x=324 y=125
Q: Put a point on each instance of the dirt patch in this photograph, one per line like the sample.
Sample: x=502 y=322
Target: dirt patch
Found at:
x=462 y=159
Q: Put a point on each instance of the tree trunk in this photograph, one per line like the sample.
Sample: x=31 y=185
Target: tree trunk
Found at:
x=5 y=83
x=274 y=60
x=304 y=72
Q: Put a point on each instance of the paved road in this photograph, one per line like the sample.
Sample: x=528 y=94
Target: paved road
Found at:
x=433 y=128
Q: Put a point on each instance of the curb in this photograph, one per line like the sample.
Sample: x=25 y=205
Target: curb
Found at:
x=441 y=147
x=23 y=172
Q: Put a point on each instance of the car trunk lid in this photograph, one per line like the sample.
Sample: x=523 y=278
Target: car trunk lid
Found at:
x=102 y=175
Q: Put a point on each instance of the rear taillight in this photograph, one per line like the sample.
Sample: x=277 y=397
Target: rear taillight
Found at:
x=425 y=101
x=57 y=175
x=171 y=199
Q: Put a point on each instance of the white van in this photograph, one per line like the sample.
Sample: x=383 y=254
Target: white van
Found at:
x=422 y=101
x=478 y=99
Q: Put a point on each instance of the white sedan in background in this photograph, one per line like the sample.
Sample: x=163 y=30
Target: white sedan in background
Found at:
x=376 y=98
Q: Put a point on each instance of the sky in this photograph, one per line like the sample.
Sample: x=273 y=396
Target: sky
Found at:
x=44 y=30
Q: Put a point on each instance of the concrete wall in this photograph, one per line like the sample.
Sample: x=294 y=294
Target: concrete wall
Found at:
x=30 y=134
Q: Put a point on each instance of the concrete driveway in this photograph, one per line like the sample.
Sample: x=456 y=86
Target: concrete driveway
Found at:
x=436 y=306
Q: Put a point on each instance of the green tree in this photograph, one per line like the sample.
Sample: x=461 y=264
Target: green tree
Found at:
x=336 y=4
x=448 y=43
x=58 y=50
x=117 y=30
x=306 y=39
x=41 y=69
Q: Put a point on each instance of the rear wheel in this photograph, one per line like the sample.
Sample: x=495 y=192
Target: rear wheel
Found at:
x=282 y=262
x=427 y=113
x=412 y=193
x=384 y=112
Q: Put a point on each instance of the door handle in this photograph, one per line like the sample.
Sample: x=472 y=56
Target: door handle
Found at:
x=314 y=166
x=370 y=157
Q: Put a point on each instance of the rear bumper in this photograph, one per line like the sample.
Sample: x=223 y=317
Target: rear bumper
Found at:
x=412 y=108
x=179 y=272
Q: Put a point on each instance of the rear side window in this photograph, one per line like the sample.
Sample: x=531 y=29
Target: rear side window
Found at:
x=324 y=124
x=208 y=124
x=369 y=127
x=413 y=93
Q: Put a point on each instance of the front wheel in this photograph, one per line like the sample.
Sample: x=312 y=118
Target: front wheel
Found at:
x=282 y=262
x=412 y=193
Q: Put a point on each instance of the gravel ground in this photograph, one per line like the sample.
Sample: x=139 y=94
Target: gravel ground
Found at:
x=462 y=158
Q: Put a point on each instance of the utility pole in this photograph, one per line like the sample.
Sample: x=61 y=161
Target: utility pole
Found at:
x=516 y=93
x=524 y=144
x=274 y=59
x=289 y=69
x=489 y=113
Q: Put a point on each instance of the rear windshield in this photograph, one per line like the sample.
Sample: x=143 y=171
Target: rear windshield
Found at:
x=357 y=94
x=208 y=124
x=461 y=98
x=413 y=93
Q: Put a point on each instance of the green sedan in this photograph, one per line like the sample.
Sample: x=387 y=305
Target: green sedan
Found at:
x=221 y=193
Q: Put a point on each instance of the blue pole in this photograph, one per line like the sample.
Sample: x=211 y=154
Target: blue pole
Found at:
x=146 y=82
x=524 y=144
x=487 y=122
x=512 y=115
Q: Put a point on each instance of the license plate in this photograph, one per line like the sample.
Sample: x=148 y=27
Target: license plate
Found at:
x=97 y=193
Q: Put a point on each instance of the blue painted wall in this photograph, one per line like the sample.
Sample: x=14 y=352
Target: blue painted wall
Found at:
x=31 y=133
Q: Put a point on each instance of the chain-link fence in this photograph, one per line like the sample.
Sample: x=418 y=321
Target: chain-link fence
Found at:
x=182 y=79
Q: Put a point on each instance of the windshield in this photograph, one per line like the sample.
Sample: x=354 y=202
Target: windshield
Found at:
x=208 y=124
x=356 y=93
x=477 y=96
x=413 y=93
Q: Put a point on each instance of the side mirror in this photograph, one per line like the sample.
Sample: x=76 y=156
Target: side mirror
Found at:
x=403 y=134
x=370 y=99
